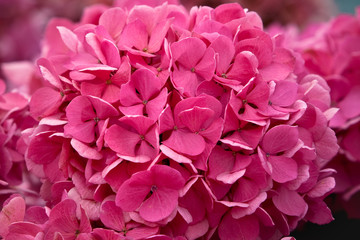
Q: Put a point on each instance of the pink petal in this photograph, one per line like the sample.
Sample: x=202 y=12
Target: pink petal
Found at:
x=187 y=143
x=111 y=53
x=155 y=106
x=63 y=217
x=327 y=147
x=25 y=228
x=188 y=51
x=93 y=41
x=206 y=67
x=322 y=187
x=227 y=12
x=318 y=212
x=160 y=205
x=185 y=82
x=243 y=228
x=146 y=83
x=157 y=35
x=111 y=93
x=48 y=72
x=133 y=191
x=80 y=110
x=244 y=67
x=133 y=110
x=69 y=38
x=166 y=177
x=102 y=108
x=113 y=20
x=224 y=47
x=290 y=202
x=284 y=169
x=284 y=94
x=112 y=216
x=166 y=120
x=44 y=102
x=85 y=150
x=42 y=150
x=174 y=155
x=126 y=146
x=134 y=35
x=13 y=211
x=280 y=138
x=83 y=132
x=195 y=119
x=246 y=190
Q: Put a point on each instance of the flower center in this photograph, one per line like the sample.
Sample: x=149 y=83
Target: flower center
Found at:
x=96 y=119
x=192 y=69
x=153 y=188
x=108 y=82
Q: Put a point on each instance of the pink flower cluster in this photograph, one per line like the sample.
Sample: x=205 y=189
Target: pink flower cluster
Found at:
x=331 y=50
x=159 y=123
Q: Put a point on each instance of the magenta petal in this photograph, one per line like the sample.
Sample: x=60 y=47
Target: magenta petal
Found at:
x=83 y=132
x=133 y=110
x=133 y=191
x=244 y=228
x=134 y=35
x=63 y=217
x=44 y=102
x=322 y=187
x=188 y=51
x=155 y=106
x=284 y=169
x=111 y=93
x=187 y=143
x=113 y=20
x=121 y=140
x=111 y=53
x=226 y=50
x=146 y=83
x=42 y=150
x=128 y=95
x=206 y=67
x=318 y=212
x=69 y=38
x=48 y=72
x=244 y=67
x=195 y=118
x=185 y=82
x=327 y=146
x=284 y=94
x=85 y=150
x=290 y=202
x=280 y=138
x=102 y=108
x=13 y=211
x=246 y=190
x=167 y=178
x=158 y=35
x=166 y=121
x=160 y=205
x=112 y=216
x=80 y=110
x=25 y=228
